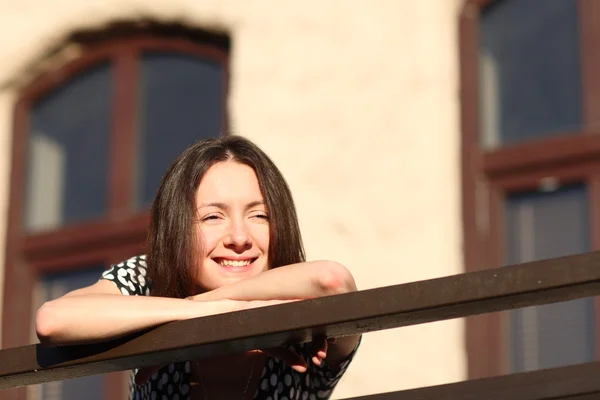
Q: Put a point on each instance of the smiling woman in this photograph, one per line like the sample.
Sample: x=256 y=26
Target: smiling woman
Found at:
x=224 y=236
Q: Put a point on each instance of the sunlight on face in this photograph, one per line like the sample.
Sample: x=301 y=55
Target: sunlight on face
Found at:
x=232 y=225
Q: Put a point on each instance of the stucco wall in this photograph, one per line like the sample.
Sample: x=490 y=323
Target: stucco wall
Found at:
x=357 y=102
x=7 y=99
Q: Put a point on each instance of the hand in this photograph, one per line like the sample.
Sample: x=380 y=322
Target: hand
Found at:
x=295 y=361
x=319 y=347
x=288 y=356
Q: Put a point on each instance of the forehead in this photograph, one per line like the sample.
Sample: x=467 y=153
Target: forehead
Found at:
x=229 y=180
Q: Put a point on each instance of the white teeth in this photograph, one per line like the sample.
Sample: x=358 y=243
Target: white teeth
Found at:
x=234 y=263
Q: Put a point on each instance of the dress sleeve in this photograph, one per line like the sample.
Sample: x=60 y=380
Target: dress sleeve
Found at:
x=324 y=378
x=129 y=276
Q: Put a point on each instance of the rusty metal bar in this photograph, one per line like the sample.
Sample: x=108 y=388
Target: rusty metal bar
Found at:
x=539 y=282
x=578 y=382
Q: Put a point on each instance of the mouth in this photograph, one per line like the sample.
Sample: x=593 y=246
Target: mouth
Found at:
x=235 y=265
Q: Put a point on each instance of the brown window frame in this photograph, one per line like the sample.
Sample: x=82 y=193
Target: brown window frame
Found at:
x=122 y=232
x=488 y=175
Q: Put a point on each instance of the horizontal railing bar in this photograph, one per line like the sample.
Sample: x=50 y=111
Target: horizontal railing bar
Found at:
x=539 y=282
x=577 y=382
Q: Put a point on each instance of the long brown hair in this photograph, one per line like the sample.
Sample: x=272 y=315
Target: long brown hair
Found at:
x=172 y=249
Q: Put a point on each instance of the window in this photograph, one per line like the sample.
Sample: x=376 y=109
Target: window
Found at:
x=187 y=97
x=538 y=225
x=50 y=286
x=67 y=152
x=92 y=139
x=530 y=169
x=522 y=95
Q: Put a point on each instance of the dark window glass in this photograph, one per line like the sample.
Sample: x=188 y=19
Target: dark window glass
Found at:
x=51 y=287
x=539 y=226
x=181 y=102
x=67 y=152
x=529 y=71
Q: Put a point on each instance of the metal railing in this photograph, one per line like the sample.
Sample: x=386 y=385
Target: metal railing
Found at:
x=505 y=288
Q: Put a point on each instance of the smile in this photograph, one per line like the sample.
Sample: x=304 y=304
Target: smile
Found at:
x=224 y=262
x=235 y=263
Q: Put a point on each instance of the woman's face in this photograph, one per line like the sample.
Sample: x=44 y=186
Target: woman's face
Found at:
x=233 y=225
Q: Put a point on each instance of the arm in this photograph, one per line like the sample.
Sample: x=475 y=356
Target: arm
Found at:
x=296 y=281
x=100 y=312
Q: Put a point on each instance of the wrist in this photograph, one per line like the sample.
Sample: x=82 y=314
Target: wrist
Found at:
x=197 y=309
x=227 y=305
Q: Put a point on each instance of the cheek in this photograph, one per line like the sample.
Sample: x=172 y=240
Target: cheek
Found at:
x=261 y=236
x=208 y=240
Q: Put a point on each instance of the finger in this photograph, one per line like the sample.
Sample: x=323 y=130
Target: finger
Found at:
x=290 y=357
x=319 y=350
x=145 y=373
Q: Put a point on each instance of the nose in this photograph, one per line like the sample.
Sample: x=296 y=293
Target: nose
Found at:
x=238 y=238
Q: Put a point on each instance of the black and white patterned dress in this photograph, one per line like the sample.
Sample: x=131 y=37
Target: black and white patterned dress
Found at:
x=278 y=380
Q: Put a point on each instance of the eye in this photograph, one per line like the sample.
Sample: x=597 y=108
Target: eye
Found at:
x=210 y=217
x=261 y=216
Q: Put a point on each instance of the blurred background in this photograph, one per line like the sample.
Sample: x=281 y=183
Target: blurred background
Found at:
x=420 y=138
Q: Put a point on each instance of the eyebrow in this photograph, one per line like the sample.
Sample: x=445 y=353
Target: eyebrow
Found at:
x=224 y=206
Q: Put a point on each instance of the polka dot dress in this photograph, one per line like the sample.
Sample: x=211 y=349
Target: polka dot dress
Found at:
x=277 y=381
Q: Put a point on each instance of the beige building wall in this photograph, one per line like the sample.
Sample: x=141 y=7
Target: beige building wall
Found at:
x=357 y=102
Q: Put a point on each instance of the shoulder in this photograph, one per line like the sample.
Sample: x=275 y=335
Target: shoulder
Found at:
x=129 y=276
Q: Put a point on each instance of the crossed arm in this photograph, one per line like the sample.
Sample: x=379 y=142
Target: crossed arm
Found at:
x=298 y=281
x=101 y=312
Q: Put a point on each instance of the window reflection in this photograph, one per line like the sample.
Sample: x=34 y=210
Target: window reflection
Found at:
x=181 y=102
x=67 y=153
x=529 y=71
x=541 y=225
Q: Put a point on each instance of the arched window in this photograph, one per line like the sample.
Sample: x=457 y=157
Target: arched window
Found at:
x=531 y=182
x=92 y=139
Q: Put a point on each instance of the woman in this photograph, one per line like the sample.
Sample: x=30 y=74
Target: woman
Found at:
x=223 y=236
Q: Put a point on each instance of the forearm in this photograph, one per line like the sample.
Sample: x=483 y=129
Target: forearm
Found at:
x=95 y=317
x=296 y=281
x=292 y=282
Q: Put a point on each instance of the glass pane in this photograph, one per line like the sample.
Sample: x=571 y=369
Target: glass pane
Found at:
x=67 y=152
x=547 y=225
x=529 y=71
x=90 y=387
x=181 y=102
